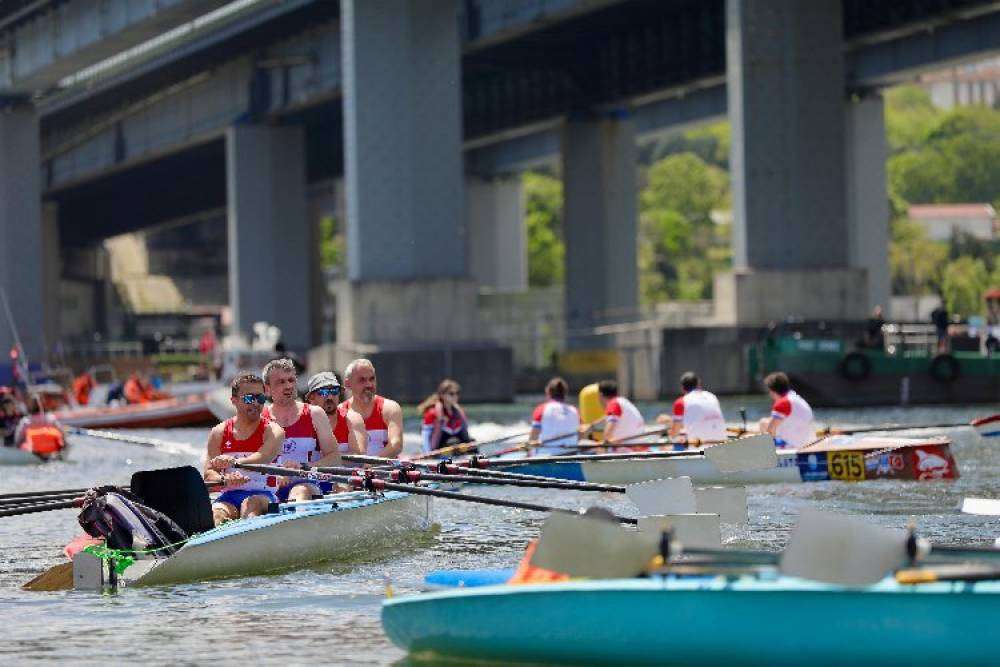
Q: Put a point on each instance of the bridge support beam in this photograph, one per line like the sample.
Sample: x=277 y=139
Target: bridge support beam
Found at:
x=407 y=275
x=22 y=242
x=867 y=195
x=599 y=224
x=498 y=256
x=271 y=243
x=785 y=78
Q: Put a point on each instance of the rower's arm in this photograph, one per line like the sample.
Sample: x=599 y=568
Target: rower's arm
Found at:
x=357 y=436
x=324 y=438
x=213 y=449
x=274 y=435
x=534 y=434
x=393 y=415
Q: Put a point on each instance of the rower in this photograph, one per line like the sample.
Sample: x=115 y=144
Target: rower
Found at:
x=445 y=423
x=308 y=436
x=552 y=419
x=697 y=413
x=325 y=392
x=791 y=421
x=249 y=437
x=383 y=417
x=623 y=418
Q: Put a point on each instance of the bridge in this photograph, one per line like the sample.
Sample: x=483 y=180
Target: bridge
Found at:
x=119 y=116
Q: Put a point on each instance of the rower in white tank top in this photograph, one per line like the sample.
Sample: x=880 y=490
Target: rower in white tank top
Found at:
x=698 y=412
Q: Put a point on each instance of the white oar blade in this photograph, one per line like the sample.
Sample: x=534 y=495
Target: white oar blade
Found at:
x=691 y=530
x=842 y=550
x=584 y=546
x=982 y=506
x=754 y=453
x=729 y=502
x=663 y=496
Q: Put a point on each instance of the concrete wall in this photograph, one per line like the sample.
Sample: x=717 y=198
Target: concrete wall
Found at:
x=498 y=253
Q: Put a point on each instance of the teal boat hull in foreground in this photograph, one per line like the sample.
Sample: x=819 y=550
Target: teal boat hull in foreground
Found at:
x=703 y=621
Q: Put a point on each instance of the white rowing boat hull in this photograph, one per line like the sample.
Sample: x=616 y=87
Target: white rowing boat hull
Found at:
x=698 y=468
x=300 y=535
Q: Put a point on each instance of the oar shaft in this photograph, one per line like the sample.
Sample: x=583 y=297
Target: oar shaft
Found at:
x=540 y=482
x=35 y=508
x=21 y=500
x=529 y=460
x=413 y=488
x=31 y=494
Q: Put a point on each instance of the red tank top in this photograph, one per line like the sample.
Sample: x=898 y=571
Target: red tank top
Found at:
x=378 y=430
x=301 y=442
x=232 y=445
x=340 y=433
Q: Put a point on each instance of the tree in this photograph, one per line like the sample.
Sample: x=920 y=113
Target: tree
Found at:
x=962 y=286
x=543 y=218
x=916 y=262
x=331 y=244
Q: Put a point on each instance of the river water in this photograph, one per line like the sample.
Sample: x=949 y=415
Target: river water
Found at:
x=330 y=614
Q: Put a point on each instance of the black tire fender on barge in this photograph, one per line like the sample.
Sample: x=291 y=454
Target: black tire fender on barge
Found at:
x=855 y=367
x=945 y=368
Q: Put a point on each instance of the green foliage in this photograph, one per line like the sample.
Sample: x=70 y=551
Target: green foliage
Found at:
x=680 y=246
x=916 y=263
x=962 y=286
x=331 y=244
x=543 y=217
x=709 y=142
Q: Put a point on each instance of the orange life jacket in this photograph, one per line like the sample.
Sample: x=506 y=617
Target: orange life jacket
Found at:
x=43 y=439
x=527 y=573
x=135 y=392
x=81 y=389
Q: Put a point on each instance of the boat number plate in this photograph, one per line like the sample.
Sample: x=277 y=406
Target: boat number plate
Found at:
x=847 y=465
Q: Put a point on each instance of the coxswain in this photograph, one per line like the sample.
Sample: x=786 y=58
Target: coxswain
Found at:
x=40 y=432
x=308 y=436
x=382 y=416
x=696 y=413
x=324 y=391
x=623 y=419
x=249 y=438
x=791 y=422
x=445 y=423
x=83 y=384
x=554 y=418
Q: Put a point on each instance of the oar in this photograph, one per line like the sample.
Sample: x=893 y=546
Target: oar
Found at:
x=830 y=430
x=24 y=500
x=477 y=466
x=562 y=436
x=753 y=453
x=374 y=484
x=413 y=476
x=40 y=507
x=29 y=494
x=960 y=572
x=461 y=448
x=166 y=445
x=981 y=506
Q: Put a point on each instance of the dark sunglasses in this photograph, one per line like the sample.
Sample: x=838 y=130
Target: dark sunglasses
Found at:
x=250 y=399
x=327 y=392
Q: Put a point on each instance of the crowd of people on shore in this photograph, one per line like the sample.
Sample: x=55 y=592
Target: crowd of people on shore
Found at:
x=316 y=431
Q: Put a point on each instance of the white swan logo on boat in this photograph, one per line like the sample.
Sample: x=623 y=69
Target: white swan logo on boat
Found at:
x=931 y=465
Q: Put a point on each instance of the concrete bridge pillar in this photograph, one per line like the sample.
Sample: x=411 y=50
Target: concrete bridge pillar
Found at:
x=785 y=78
x=498 y=255
x=407 y=274
x=600 y=224
x=867 y=195
x=22 y=242
x=271 y=243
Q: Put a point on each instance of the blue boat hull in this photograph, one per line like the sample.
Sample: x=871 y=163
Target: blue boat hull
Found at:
x=703 y=622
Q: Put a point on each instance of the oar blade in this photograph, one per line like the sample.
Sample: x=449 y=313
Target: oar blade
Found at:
x=729 y=502
x=691 y=530
x=663 y=496
x=56 y=578
x=587 y=546
x=842 y=550
x=987 y=427
x=754 y=453
x=981 y=506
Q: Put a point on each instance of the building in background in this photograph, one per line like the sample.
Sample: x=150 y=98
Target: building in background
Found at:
x=944 y=221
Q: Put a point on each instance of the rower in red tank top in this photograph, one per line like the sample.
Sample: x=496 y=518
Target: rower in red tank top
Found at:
x=308 y=437
x=249 y=437
x=324 y=391
x=382 y=416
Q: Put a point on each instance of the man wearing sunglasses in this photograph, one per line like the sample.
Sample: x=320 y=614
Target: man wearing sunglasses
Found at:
x=348 y=427
x=245 y=438
x=308 y=436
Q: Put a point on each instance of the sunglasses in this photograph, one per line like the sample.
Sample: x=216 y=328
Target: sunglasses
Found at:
x=250 y=399
x=327 y=392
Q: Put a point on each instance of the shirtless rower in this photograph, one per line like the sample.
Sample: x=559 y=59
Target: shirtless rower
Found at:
x=308 y=436
x=382 y=416
x=245 y=438
x=348 y=427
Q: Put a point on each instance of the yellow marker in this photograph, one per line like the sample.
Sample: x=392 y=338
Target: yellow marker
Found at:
x=916 y=576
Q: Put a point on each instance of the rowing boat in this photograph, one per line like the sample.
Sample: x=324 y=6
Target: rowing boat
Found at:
x=702 y=621
x=839 y=457
x=15 y=456
x=297 y=535
x=191 y=410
